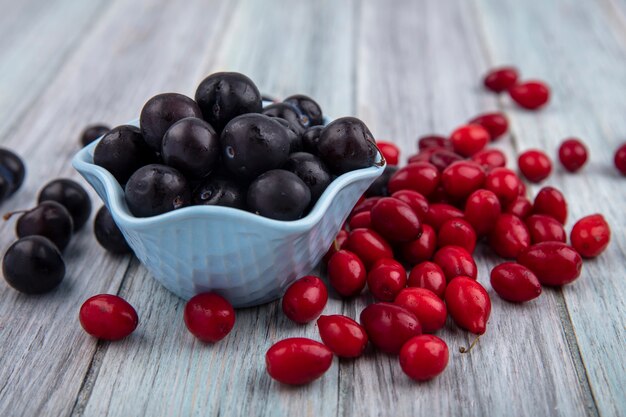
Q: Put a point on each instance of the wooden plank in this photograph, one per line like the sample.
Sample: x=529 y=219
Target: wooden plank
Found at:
x=162 y=369
x=35 y=41
x=45 y=355
x=420 y=68
x=587 y=74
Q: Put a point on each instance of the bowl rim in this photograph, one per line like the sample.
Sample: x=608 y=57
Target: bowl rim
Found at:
x=83 y=163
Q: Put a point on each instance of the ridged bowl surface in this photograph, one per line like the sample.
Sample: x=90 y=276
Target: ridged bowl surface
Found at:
x=247 y=258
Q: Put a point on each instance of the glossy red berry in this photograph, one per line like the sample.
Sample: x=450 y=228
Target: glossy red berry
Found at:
x=495 y=123
x=430 y=276
x=490 y=158
x=368 y=245
x=422 y=248
x=455 y=261
x=108 y=317
x=520 y=207
x=298 y=361
x=530 y=95
x=344 y=336
x=469 y=139
x=509 y=236
x=572 y=154
x=439 y=213
x=415 y=200
x=429 y=309
x=424 y=155
x=390 y=152
x=500 y=79
x=504 y=183
x=620 y=159
x=340 y=240
x=385 y=279
x=544 y=228
x=550 y=201
x=457 y=232
x=389 y=326
x=209 y=317
x=514 y=282
x=424 y=357
x=462 y=178
x=365 y=205
x=422 y=177
x=362 y=220
x=433 y=141
x=469 y=304
x=481 y=208
x=554 y=263
x=590 y=235
x=535 y=165
x=346 y=273
x=395 y=220
x=443 y=158
x=305 y=299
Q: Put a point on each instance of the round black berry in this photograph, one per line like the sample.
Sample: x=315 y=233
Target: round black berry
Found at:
x=287 y=112
x=12 y=169
x=225 y=95
x=156 y=189
x=221 y=192
x=310 y=110
x=295 y=139
x=310 y=169
x=49 y=219
x=72 y=196
x=347 y=144
x=93 y=132
x=108 y=234
x=311 y=139
x=278 y=194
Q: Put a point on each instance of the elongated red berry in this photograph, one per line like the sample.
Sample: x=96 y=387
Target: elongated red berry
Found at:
x=389 y=326
x=344 y=336
x=501 y=79
x=424 y=357
x=209 y=317
x=530 y=95
x=572 y=154
x=429 y=309
x=346 y=273
x=108 y=317
x=554 y=263
x=590 y=235
x=469 y=304
x=297 y=361
x=514 y=282
x=495 y=123
x=395 y=220
x=305 y=299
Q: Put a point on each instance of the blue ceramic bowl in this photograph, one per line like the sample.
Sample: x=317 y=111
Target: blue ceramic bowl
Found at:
x=247 y=258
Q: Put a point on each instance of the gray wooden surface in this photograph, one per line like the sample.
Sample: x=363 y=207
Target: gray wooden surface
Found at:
x=407 y=68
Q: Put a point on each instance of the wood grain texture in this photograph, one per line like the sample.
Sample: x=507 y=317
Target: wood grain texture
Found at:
x=588 y=70
x=407 y=70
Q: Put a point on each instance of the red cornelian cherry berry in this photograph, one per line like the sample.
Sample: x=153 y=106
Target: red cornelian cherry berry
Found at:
x=620 y=159
x=344 y=336
x=298 y=360
x=209 y=317
x=415 y=200
x=490 y=158
x=530 y=95
x=429 y=309
x=424 y=357
x=424 y=154
x=346 y=273
x=469 y=304
x=590 y=235
x=444 y=158
x=337 y=244
x=554 y=263
x=495 y=123
x=514 y=282
x=430 y=276
x=550 y=201
x=509 y=236
x=385 y=279
x=469 y=139
x=433 y=141
x=365 y=205
x=395 y=220
x=305 y=299
x=390 y=152
x=108 y=317
x=422 y=248
x=520 y=207
x=462 y=178
x=439 y=213
x=362 y=220
x=422 y=177
x=369 y=246
x=455 y=261
x=457 y=232
x=501 y=79
x=481 y=208
x=572 y=154
x=504 y=183
x=535 y=165
x=544 y=228
x=389 y=326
